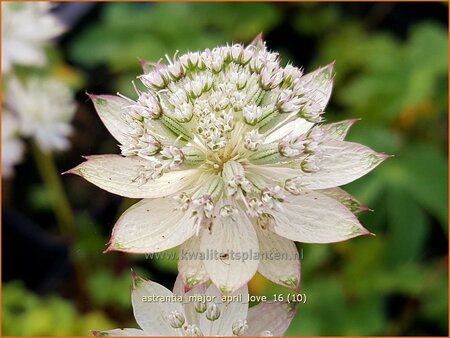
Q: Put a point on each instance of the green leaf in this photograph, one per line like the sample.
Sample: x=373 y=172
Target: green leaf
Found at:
x=425 y=176
x=408 y=228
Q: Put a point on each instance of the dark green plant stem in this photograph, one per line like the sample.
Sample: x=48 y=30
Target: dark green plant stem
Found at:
x=63 y=212
x=52 y=180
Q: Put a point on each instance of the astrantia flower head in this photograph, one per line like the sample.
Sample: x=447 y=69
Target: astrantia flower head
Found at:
x=27 y=28
x=44 y=108
x=229 y=152
x=201 y=312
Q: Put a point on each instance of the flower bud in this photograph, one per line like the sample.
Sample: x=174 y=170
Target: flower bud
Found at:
x=294 y=186
x=154 y=80
x=176 y=319
x=253 y=140
x=265 y=221
x=212 y=312
x=172 y=157
x=252 y=113
x=228 y=211
x=239 y=327
x=200 y=307
x=193 y=331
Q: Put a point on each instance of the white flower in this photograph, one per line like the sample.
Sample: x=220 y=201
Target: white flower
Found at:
x=201 y=311
x=44 y=107
x=27 y=27
x=253 y=169
x=12 y=146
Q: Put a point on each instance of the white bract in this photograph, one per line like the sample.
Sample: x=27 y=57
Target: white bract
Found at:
x=27 y=27
x=201 y=312
x=230 y=155
x=44 y=107
x=12 y=146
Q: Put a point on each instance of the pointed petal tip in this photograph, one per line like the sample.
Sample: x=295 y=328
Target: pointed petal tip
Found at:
x=70 y=171
x=92 y=97
x=331 y=65
x=73 y=171
x=295 y=287
x=258 y=41
x=354 y=120
x=114 y=246
x=259 y=37
x=134 y=275
x=365 y=232
x=88 y=157
x=109 y=248
x=142 y=61
x=364 y=208
x=385 y=156
x=136 y=280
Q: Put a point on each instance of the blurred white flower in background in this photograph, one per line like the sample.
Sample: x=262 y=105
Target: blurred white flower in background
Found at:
x=12 y=146
x=201 y=312
x=44 y=107
x=27 y=27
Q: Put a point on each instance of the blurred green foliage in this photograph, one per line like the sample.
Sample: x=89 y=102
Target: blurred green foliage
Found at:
x=166 y=28
x=26 y=314
x=394 y=283
x=150 y=32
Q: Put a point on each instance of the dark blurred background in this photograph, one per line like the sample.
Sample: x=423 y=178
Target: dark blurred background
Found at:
x=391 y=71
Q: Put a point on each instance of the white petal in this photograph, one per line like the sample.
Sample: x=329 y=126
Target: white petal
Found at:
x=110 y=110
x=345 y=198
x=238 y=241
x=316 y=218
x=152 y=315
x=179 y=286
x=230 y=312
x=279 y=259
x=151 y=225
x=337 y=130
x=190 y=267
x=274 y=173
x=270 y=316
x=342 y=163
x=120 y=333
x=297 y=127
x=318 y=85
x=118 y=175
x=192 y=316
